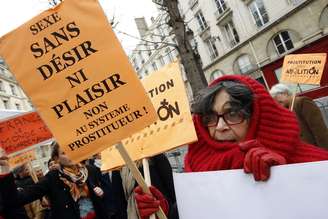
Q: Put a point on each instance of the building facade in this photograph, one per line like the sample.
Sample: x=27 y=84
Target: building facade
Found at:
x=12 y=96
x=251 y=37
x=248 y=36
x=43 y=154
x=155 y=48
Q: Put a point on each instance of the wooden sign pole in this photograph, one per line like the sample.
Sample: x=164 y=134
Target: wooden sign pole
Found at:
x=32 y=172
x=146 y=171
x=293 y=100
x=136 y=174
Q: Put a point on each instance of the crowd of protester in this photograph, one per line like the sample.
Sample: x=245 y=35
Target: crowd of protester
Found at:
x=238 y=124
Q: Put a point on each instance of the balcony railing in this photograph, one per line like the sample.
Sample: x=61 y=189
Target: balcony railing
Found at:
x=233 y=43
x=220 y=17
x=192 y=3
x=213 y=56
x=296 y=2
x=203 y=31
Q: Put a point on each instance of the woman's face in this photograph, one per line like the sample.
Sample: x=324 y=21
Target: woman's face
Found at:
x=222 y=131
x=63 y=159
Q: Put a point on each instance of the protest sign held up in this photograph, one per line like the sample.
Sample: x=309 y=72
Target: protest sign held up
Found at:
x=174 y=126
x=303 y=68
x=289 y=194
x=71 y=65
x=22 y=158
x=22 y=131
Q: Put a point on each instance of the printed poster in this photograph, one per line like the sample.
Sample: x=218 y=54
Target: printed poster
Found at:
x=20 y=159
x=71 y=65
x=303 y=68
x=174 y=126
x=22 y=131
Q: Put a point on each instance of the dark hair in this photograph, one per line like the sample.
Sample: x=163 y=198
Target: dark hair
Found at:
x=18 y=170
x=241 y=97
x=49 y=161
x=55 y=150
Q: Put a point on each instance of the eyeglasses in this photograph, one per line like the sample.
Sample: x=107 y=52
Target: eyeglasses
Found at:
x=230 y=117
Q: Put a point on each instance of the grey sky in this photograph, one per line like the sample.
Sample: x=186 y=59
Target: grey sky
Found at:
x=13 y=13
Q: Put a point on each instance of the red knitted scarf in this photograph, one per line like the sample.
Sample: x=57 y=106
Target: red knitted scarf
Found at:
x=273 y=125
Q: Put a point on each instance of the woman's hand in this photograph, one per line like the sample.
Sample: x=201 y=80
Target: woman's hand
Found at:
x=98 y=191
x=149 y=204
x=4 y=165
x=259 y=159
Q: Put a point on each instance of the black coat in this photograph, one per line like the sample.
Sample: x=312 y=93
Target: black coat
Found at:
x=161 y=178
x=9 y=212
x=62 y=204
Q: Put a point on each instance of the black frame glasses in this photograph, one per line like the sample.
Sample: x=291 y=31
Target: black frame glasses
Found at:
x=230 y=117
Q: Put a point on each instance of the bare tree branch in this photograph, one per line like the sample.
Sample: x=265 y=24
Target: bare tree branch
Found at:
x=53 y=3
x=189 y=58
x=148 y=41
x=149 y=50
x=161 y=4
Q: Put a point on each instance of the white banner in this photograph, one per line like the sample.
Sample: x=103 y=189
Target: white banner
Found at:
x=296 y=191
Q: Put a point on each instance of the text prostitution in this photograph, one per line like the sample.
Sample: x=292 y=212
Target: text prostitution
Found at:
x=59 y=63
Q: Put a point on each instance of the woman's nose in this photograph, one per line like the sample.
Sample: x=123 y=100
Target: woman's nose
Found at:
x=221 y=125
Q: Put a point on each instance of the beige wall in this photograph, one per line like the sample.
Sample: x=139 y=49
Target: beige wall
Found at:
x=302 y=22
x=6 y=94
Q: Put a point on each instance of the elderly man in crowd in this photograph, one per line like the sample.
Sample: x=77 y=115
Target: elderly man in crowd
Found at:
x=313 y=128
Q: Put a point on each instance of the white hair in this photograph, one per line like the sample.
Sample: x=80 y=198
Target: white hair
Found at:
x=280 y=89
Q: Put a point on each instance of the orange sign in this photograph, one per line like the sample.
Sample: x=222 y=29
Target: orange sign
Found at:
x=174 y=126
x=20 y=159
x=303 y=68
x=20 y=132
x=70 y=63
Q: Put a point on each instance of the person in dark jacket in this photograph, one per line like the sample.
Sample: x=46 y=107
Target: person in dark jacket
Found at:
x=1 y=208
x=162 y=189
x=10 y=212
x=162 y=179
x=313 y=128
x=74 y=190
x=122 y=185
x=34 y=210
x=108 y=186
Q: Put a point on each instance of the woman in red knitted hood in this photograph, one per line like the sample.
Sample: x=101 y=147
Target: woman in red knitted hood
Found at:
x=239 y=126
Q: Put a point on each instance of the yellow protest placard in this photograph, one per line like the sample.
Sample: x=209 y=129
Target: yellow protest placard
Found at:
x=303 y=68
x=174 y=126
x=71 y=65
x=22 y=158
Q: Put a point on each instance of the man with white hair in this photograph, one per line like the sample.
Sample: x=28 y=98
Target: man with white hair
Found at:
x=313 y=127
x=282 y=94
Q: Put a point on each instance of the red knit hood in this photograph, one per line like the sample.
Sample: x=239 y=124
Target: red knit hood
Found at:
x=273 y=125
